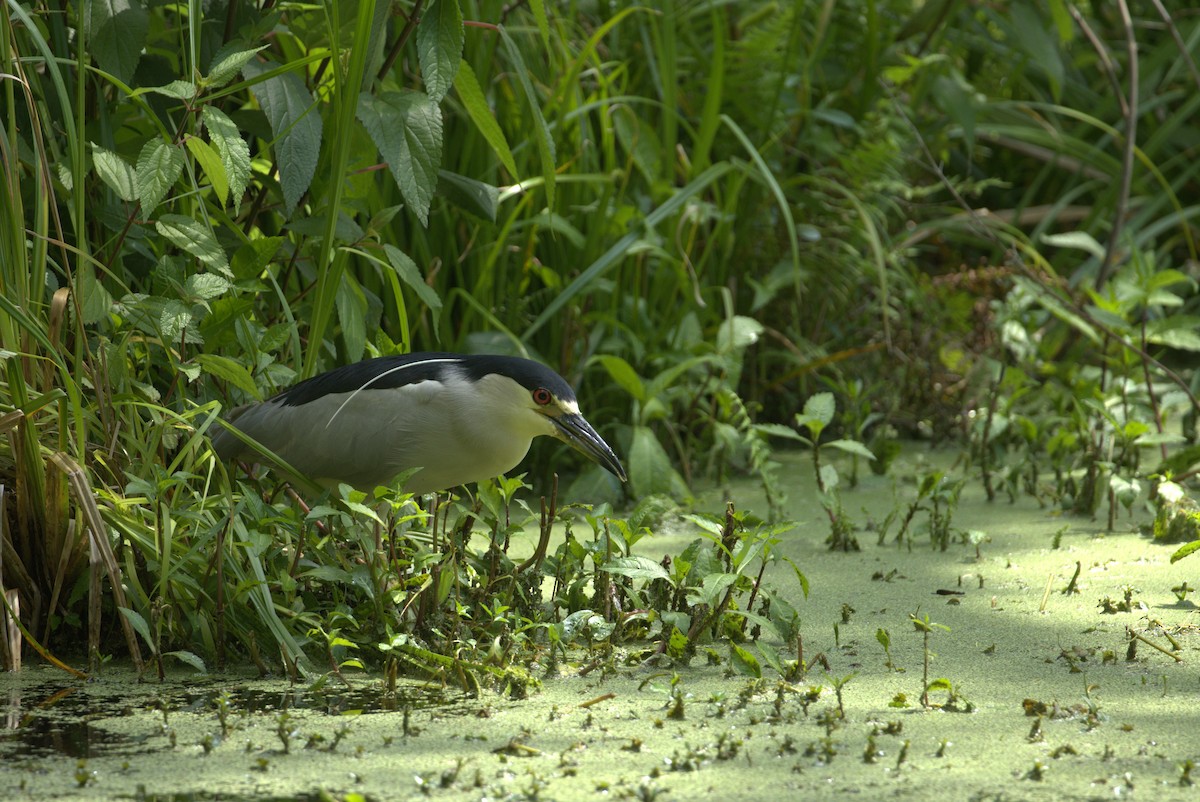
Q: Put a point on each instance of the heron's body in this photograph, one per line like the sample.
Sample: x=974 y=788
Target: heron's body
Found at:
x=460 y=418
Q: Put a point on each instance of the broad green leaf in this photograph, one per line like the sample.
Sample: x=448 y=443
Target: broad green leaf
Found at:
x=780 y=430
x=140 y=626
x=116 y=36
x=205 y=286
x=476 y=197
x=250 y=259
x=194 y=238
x=745 y=662
x=1176 y=331
x=407 y=129
x=296 y=124
x=440 y=39
x=180 y=90
x=821 y=406
x=624 y=375
x=191 y=658
x=352 y=315
x=850 y=447
x=233 y=150
x=541 y=132
x=116 y=173
x=650 y=470
x=158 y=168
x=230 y=371
x=636 y=567
x=208 y=159
x=481 y=114
x=738 y=331
x=408 y=272
x=227 y=63
x=1077 y=240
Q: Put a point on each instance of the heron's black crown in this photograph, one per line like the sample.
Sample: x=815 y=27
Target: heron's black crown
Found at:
x=389 y=372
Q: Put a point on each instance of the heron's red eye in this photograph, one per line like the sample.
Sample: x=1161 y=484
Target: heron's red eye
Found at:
x=542 y=397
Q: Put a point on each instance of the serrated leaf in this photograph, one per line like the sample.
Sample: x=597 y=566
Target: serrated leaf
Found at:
x=821 y=407
x=194 y=238
x=408 y=272
x=291 y=112
x=476 y=197
x=117 y=31
x=205 y=286
x=233 y=150
x=624 y=375
x=440 y=37
x=744 y=662
x=636 y=567
x=407 y=129
x=851 y=447
x=159 y=166
x=116 y=173
x=230 y=371
x=227 y=63
x=210 y=162
x=480 y=113
x=180 y=90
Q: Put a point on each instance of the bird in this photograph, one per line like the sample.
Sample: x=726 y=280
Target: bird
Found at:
x=459 y=418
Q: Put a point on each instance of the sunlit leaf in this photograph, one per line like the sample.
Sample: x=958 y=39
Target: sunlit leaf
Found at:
x=407 y=129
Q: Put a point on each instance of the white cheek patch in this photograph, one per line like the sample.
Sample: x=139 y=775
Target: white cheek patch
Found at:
x=570 y=407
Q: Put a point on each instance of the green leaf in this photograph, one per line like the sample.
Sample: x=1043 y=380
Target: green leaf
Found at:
x=159 y=166
x=116 y=173
x=440 y=37
x=227 y=63
x=738 y=331
x=210 y=162
x=117 y=31
x=541 y=132
x=821 y=407
x=180 y=90
x=476 y=197
x=233 y=150
x=194 y=238
x=538 y=7
x=636 y=567
x=205 y=286
x=139 y=624
x=407 y=129
x=746 y=663
x=650 y=470
x=624 y=375
x=1185 y=550
x=780 y=430
x=287 y=104
x=191 y=658
x=1077 y=240
x=850 y=447
x=408 y=272
x=481 y=114
x=351 y=306
x=230 y=371
x=1176 y=331
x=250 y=259
x=1031 y=34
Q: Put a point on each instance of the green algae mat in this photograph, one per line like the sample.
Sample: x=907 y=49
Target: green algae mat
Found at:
x=1057 y=661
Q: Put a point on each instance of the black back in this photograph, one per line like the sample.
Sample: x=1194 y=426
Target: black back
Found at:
x=390 y=372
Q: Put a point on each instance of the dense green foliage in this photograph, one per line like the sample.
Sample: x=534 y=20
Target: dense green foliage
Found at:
x=965 y=221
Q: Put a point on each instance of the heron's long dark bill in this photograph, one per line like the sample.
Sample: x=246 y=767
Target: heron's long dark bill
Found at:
x=582 y=437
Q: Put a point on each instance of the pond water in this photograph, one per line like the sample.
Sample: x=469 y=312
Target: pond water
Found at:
x=1049 y=702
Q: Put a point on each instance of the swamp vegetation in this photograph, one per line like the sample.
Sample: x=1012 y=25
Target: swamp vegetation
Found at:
x=890 y=308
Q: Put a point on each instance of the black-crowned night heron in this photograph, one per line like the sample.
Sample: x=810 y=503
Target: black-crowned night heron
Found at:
x=459 y=418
